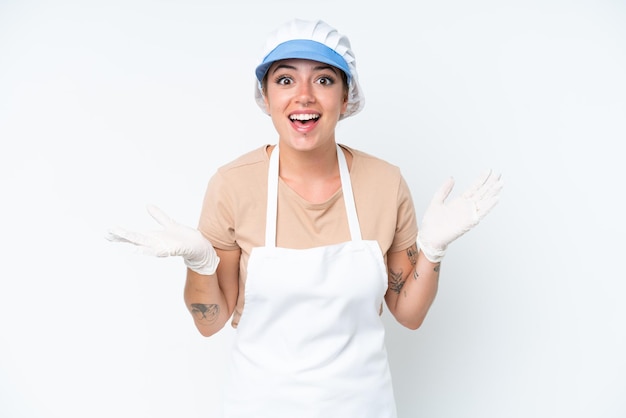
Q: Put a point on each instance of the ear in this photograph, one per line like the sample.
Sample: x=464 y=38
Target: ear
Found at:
x=267 y=103
x=344 y=106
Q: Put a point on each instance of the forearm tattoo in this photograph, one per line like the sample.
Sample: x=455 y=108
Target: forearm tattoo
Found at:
x=205 y=313
x=435 y=269
x=412 y=253
x=396 y=282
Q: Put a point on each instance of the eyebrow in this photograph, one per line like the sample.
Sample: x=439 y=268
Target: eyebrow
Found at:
x=317 y=68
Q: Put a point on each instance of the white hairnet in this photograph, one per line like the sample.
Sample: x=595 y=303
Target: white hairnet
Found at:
x=315 y=40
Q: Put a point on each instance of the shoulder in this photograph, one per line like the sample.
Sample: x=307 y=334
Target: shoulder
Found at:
x=250 y=160
x=377 y=180
x=383 y=202
x=241 y=174
x=364 y=164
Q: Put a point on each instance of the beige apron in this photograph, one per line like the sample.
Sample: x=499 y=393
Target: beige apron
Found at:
x=310 y=342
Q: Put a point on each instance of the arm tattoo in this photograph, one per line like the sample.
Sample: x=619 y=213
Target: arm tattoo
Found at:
x=206 y=313
x=395 y=281
x=435 y=269
x=412 y=253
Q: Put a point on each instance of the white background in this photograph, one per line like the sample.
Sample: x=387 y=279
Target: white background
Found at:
x=107 y=106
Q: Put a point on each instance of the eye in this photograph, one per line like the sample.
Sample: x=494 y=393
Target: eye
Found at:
x=326 y=80
x=283 y=80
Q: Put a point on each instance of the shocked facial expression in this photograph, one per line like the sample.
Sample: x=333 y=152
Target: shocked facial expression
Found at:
x=305 y=100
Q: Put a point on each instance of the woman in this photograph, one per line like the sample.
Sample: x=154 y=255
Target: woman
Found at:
x=299 y=243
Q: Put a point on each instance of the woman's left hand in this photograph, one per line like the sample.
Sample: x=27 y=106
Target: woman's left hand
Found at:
x=444 y=222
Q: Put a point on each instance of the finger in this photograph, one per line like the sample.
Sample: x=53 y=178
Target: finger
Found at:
x=491 y=188
x=116 y=235
x=130 y=237
x=149 y=251
x=485 y=206
x=159 y=215
x=444 y=191
x=141 y=243
x=483 y=179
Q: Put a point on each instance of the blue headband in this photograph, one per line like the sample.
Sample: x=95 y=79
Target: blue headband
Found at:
x=303 y=49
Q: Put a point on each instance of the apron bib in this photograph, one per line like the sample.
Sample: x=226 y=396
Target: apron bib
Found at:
x=310 y=342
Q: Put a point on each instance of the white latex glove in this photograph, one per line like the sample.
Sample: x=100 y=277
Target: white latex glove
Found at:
x=173 y=240
x=444 y=222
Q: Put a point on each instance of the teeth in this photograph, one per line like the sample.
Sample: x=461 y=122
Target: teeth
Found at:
x=304 y=117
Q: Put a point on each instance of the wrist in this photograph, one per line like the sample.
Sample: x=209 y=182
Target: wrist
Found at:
x=204 y=268
x=203 y=262
x=432 y=253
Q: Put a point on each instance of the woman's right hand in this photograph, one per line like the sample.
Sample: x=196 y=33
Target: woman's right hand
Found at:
x=173 y=240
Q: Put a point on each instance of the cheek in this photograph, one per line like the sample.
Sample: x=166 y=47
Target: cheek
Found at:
x=277 y=100
x=271 y=100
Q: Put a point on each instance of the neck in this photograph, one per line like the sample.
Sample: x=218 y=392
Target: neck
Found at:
x=314 y=175
x=314 y=165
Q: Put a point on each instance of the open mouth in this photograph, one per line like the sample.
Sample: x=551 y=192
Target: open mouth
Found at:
x=304 y=118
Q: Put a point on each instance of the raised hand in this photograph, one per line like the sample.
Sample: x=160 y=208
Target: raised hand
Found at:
x=444 y=222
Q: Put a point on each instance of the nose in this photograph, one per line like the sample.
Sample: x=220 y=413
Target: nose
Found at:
x=304 y=95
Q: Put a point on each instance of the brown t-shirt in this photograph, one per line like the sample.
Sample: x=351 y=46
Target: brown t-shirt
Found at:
x=234 y=210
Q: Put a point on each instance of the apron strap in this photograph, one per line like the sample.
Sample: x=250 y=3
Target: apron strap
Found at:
x=348 y=196
x=272 y=198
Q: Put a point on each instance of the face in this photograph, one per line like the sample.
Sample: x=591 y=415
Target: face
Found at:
x=305 y=100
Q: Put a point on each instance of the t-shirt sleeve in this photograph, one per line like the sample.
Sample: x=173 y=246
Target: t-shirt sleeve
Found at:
x=406 y=226
x=217 y=221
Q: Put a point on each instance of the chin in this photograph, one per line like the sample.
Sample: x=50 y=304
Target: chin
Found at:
x=303 y=142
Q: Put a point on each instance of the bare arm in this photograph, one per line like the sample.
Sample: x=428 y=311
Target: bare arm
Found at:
x=211 y=299
x=413 y=283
